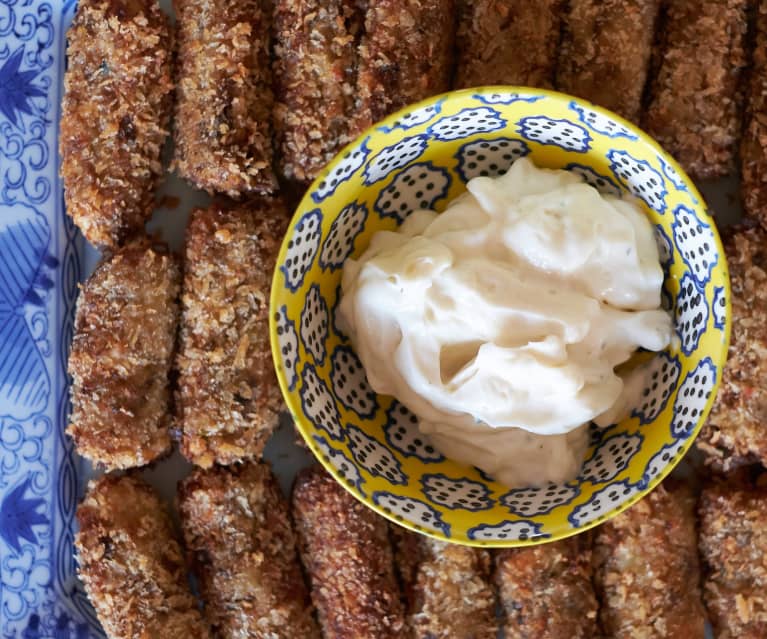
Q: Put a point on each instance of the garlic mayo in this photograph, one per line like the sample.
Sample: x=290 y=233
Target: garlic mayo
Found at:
x=500 y=322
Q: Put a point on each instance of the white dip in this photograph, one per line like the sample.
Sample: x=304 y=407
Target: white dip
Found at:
x=500 y=322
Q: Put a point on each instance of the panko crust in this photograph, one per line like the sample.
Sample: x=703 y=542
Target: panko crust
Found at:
x=228 y=400
x=131 y=563
x=646 y=568
x=405 y=55
x=735 y=433
x=125 y=334
x=242 y=548
x=347 y=555
x=315 y=50
x=447 y=588
x=223 y=133
x=733 y=546
x=696 y=97
x=545 y=591
x=114 y=116
x=753 y=146
x=507 y=42
x=605 y=52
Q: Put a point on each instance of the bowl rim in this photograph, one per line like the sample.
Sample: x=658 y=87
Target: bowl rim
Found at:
x=307 y=204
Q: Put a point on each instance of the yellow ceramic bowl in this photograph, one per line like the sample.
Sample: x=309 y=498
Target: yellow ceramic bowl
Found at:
x=422 y=157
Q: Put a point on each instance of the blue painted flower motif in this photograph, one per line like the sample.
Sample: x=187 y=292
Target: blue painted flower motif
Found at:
x=18 y=515
x=456 y=492
x=16 y=89
x=24 y=382
x=413 y=510
x=529 y=502
x=601 y=123
x=564 y=134
x=602 y=502
x=345 y=466
x=692 y=397
x=415 y=117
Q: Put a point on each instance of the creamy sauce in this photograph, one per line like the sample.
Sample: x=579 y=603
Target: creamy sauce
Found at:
x=500 y=322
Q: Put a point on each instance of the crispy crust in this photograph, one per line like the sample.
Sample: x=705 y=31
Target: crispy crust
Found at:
x=405 y=56
x=733 y=546
x=646 y=568
x=125 y=332
x=315 y=48
x=346 y=552
x=507 y=42
x=605 y=52
x=241 y=545
x=114 y=116
x=695 y=104
x=131 y=563
x=753 y=147
x=228 y=399
x=545 y=591
x=736 y=431
x=447 y=588
x=224 y=96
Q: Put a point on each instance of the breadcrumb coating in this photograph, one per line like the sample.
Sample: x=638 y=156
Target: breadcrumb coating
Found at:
x=753 y=146
x=605 y=52
x=346 y=552
x=507 y=42
x=315 y=49
x=223 y=134
x=131 y=563
x=545 y=590
x=735 y=433
x=694 y=111
x=242 y=548
x=447 y=587
x=114 y=116
x=405 y=55
x=733 y=546
x=646 y=568
x=228 y=400
x=125 y=333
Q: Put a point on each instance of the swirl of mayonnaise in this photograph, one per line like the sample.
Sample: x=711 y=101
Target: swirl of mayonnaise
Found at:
x=500 y=323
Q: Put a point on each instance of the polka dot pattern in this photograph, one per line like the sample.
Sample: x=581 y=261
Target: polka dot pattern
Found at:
x=350 y=384
x=695 y=242
x=720 y=307
x=665 y=247
x=506 y=97
x=489 y=158
x=373 y=456
x=601 y=123
x=314 y=324
x=302 y=247
x=602 y=502
x=690 y=315
x=611 y=458
x=419 y=186
x=402 y=434
x=600 y=182
x=346 y=468
x=456 y=493
x=522 y=530
x=287 y=341
x=467 y=122
x=691 y=398
x=528 y=502
x=339 y=244
x=413 y=118
x=318 y=404
x=414 y=510
x=662 y=376
x=351 y=162
x=641 y=179
x=394 y=157
x=661 y=460
x=551 y=131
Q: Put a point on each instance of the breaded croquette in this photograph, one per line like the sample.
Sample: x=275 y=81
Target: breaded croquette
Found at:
x=223 y=131
x=694 y=110
x=228 y=399
x=131 y=563
x=646 y=568
x=753 y=146
x=545 y=591
x=605 y=52
x=125 y=333
x=114 y=116
x=346 y=552
x=240 y=541
x=315 y=48
x=733 y=546
x=447 y=587
x=507 y=42
x=735 y=433
x=405 y=55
